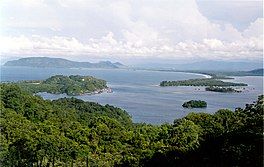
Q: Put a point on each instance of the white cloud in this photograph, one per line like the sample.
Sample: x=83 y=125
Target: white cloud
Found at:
x=255 y=29
x=107 y=45
x=172 y=29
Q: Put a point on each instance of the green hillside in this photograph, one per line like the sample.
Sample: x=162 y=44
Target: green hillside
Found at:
x=200 y=82
x=71 y=85
x=71 y=132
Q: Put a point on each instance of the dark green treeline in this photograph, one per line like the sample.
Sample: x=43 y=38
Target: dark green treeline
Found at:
x=71 y=132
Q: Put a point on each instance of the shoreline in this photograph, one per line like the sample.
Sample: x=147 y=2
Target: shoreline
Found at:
x=104 y=90
x=204 y=75
x=186 y=72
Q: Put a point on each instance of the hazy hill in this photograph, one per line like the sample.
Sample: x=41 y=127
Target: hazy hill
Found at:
x=256 y=72
x=60 y=63
x=224 y=65
x=206 y=65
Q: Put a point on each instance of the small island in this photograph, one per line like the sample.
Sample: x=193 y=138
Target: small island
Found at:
x=200 y=82
x=222 y=89
x=72 y=85
x=194 y=104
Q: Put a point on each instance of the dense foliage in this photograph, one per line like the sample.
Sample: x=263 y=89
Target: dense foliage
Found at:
x=195 y=104
x=71 y=85
x=222 y=89
x=71 y=132
x=200 y=82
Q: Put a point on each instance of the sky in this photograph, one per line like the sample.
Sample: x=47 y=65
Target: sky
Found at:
x=132 y=30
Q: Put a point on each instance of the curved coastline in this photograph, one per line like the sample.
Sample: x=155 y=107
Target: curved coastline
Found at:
x=194 y=73
x=204 y=75
x=185 y=72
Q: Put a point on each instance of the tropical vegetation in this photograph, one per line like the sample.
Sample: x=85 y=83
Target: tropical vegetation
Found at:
x=200 y=82
x=71 y=132
x=71 y=85
x=195 y=104
x=222 y=89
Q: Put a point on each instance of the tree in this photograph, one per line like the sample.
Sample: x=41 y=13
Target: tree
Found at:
x=184 y=136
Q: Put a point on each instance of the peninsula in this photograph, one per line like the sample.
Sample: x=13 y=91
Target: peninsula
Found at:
x=219 y=74
x=201 y=82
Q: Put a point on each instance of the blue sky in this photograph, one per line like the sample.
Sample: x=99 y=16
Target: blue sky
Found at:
x=128 y=30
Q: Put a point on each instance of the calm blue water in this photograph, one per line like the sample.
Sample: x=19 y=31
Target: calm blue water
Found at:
x=137 y=91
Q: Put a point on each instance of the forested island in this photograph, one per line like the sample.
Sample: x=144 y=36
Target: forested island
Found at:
x=194 y=104
x=71 y=132
x=222 y=89
x=201 y=82
x=71 y=85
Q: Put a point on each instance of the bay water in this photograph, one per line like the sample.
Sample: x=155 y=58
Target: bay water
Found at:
x=137 y=91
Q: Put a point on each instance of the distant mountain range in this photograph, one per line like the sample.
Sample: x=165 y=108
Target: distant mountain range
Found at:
x=256 y=72
x=61 y=63
x=225 y=65
x=229 y=68
x=207 y=65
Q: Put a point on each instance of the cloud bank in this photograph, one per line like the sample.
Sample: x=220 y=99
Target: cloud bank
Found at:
x=123 y=29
